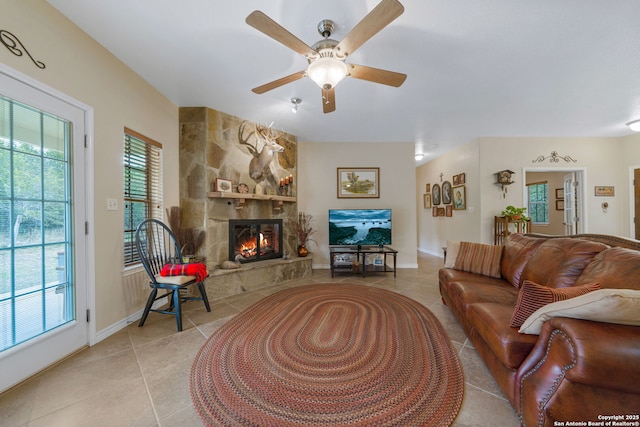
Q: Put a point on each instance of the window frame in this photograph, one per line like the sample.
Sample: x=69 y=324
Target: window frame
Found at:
x=545 y=203
x=145 y=155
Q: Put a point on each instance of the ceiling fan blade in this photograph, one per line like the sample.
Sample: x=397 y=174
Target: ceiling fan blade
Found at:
x=271 y=28
x=381 y=16
x=376 y=75
x=328 y=100
x=277 y=83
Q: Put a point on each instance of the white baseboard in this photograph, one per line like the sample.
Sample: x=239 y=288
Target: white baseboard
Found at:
x=132 y=318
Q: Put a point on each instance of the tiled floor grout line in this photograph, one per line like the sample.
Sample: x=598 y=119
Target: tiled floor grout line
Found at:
x=144 y=380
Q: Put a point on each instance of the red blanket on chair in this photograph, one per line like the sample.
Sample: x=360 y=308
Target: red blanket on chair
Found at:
x=195 y=269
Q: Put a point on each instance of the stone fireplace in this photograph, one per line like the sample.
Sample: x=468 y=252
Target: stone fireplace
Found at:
x=217 y=145
x=253 y=240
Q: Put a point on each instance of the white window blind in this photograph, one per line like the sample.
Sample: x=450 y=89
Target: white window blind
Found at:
x=142 y=187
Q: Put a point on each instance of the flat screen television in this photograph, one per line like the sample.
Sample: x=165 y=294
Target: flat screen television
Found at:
x=359 y=227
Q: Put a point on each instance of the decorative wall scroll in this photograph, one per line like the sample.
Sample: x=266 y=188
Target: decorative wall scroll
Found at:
x=16 y=47
x=554 y=158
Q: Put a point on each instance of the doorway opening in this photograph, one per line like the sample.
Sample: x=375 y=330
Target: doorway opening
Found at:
x=566 y=199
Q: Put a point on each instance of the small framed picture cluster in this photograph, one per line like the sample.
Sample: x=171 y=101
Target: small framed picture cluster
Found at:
x=446 y=196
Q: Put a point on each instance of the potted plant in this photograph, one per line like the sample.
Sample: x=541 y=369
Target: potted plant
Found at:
x=304 y=229
x=516 y=214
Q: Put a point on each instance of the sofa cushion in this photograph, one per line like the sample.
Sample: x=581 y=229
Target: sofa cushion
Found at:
x=491 y=322
x=557 y=263
x=517 y=251
x=620 y=306
x=479 y=258
x=533 y=296
x=472 y=290
x=612 y=268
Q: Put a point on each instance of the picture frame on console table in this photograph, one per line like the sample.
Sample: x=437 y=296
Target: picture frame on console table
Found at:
x=358 y=183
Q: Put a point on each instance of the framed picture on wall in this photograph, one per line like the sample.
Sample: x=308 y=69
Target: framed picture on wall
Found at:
x=446 y=193
x=357 y=183
x=434 y=211
x=435 y=194
x=440 y=211
x=448 y=210
x=427 y=188
x=459 y=198
x=559 y=205
x=559 y=193
x=427 y=201
x=605 y=190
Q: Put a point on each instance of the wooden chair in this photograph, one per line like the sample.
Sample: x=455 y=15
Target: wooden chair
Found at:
x=157 y=247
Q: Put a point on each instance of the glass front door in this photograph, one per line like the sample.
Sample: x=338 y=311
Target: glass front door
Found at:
x=42 y=241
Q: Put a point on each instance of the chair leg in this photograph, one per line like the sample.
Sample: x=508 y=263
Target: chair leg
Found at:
x=147 y=308
x=203 y=294
x=178 y=308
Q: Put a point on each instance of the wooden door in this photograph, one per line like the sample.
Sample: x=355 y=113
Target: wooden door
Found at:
x=636 y=198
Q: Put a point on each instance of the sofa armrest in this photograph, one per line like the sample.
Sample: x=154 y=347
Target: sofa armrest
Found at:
x=579 y=370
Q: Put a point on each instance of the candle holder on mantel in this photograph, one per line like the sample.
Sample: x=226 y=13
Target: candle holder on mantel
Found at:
x=286 y=186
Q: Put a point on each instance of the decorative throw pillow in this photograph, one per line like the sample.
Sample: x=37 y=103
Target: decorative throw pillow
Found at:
x=532 y=296
x=621 y=306
x=453 y=248
x=479 y=258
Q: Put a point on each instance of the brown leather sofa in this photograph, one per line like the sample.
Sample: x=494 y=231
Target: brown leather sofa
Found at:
x=575 y=370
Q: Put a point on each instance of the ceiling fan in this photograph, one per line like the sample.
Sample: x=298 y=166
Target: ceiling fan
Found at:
x=326 y=58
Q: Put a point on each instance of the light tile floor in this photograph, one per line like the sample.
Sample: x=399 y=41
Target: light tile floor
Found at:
x=140 y=376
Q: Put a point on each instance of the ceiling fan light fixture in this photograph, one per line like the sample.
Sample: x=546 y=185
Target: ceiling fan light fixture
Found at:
x=634 y=125
x=327 y=72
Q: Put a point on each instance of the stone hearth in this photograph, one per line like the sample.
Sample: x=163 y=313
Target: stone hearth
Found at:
x=255 y=276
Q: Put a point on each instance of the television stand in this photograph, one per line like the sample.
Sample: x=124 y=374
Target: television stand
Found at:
x=362 y=259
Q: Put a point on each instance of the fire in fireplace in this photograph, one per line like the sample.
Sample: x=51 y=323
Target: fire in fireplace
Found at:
x=255 y=239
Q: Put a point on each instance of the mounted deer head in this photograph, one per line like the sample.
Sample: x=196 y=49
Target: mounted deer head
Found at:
x=263 y=158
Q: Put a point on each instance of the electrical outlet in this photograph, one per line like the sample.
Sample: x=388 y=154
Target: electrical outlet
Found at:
x=112 y=204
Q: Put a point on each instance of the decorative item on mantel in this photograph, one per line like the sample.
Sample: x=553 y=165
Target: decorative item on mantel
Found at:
x=304 y=230
x=286 y=186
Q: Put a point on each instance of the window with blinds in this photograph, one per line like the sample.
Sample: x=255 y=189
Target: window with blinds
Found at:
x=142 y=187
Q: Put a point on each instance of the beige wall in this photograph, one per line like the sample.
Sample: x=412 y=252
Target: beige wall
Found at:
x=317 y=179
x=82 y=69
x=605 y=161
x=433 y=233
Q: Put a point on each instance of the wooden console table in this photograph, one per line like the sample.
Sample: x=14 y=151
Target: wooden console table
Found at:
x=501 y=228
x=362 y=260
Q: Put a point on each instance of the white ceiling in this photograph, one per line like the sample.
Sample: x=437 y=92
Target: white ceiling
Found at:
x=475 y=67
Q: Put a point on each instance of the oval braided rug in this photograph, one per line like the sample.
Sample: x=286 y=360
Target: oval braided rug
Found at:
x=329 y=355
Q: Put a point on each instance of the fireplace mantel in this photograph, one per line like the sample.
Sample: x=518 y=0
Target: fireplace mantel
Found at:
x=241 y=198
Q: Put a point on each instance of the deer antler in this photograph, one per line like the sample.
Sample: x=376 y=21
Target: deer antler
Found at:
x=267 y=132
x=253 y=149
